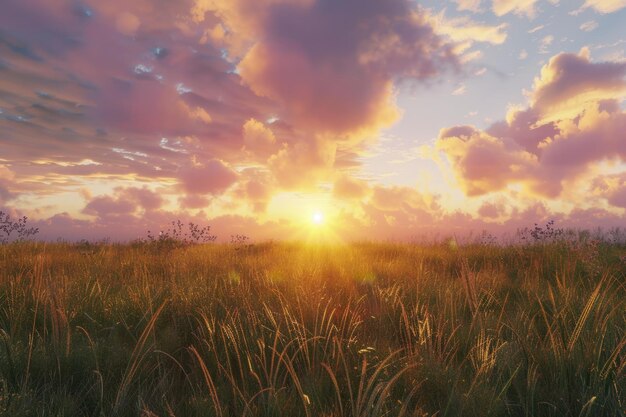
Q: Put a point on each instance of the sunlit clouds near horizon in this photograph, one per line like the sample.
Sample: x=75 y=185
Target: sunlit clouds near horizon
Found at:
x=282 y=119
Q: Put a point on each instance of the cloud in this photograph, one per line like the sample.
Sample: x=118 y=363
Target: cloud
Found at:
x=464 y=29
x=130 y=227
x=127 y=23
x=612 y=188
x=464 y=32
x=258 y=138
x=521 y=7
x=138 y=89
x=78 y=89
x=303 y=164
x=598 y=134
x=332 y=64
x=605 y=6
x=401 y=213
x=123 y=203
x=109 y=206
x=589 y=26
x=460 y=90
x=402 y=198
x=573 y=121
x=545 y=43
x=211 y=177
x=404 y=215
x=569 y=82
x=228 y=103
x=523 y=127
x=482 y=162
x=470 y=5
x=491 y=210
x=348 y=188
x=143 y=197
x=255 y=188
x=146 y=106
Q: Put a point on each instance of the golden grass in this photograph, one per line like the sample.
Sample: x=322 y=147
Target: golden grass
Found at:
x=293 y=330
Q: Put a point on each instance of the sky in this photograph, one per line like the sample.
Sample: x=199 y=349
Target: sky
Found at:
x=312 y=119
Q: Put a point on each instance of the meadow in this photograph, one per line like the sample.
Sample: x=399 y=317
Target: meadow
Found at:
x=280 y=329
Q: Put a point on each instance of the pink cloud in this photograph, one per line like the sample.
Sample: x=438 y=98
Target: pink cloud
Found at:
x=491 y=210
x=612 y=188
x=569 y=82
x=346 y=187
x=124 y=202
x=286 y=92
x=144 y=107
x=107 y=206
x=127 y=89
x=212 y=177
x=484 y=163
x=574 y=121
x=303 y=164
x=258 y=138
x=130 y=227
x=256 y=188
x=332 y=64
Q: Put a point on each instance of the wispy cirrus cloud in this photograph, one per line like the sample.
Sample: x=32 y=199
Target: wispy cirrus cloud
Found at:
x=521 y=7
x=605 y=6
x=470 y=5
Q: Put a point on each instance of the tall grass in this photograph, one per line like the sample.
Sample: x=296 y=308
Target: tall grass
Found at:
x=290 y=330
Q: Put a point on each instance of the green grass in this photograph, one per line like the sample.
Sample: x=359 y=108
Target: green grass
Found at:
x=290 y=330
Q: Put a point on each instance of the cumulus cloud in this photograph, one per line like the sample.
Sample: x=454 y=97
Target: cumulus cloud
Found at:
x=258 y=138
x=255 y=187
x=303 y=164
x=569 y=82
x=243 y=99
x=491 y=210
x=332 y=64
x=482 y=162
x=137 y=90
x=612 y=188
x=573 y=121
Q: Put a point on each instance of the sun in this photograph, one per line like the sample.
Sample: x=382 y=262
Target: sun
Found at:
x=318 y=218
x=319 y=227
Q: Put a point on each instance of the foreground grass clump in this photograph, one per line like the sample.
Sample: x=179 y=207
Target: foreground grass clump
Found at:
x=288 y=330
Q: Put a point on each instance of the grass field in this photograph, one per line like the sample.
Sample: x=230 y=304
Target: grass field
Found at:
x=294 y=330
